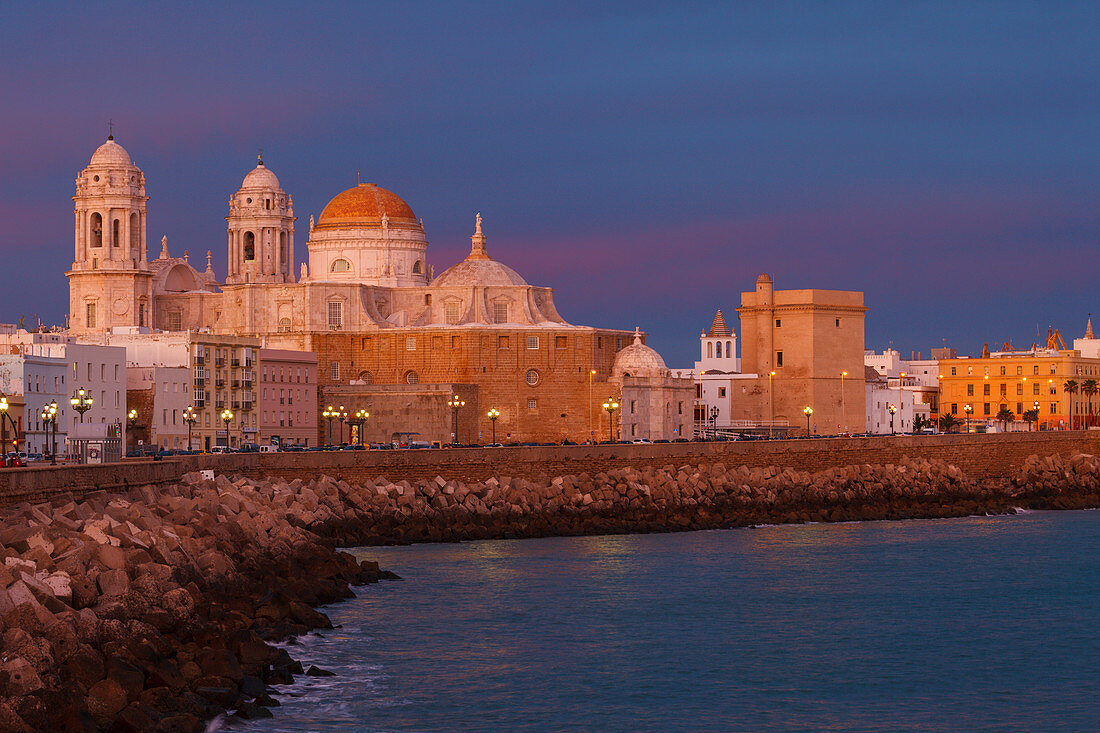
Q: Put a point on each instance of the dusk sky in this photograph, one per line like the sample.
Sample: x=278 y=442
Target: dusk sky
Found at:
x=647 y=160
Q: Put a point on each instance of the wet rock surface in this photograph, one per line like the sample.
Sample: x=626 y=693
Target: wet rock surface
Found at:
x=154 y=609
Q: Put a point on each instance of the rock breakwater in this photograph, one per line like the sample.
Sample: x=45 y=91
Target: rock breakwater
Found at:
x=152 y=609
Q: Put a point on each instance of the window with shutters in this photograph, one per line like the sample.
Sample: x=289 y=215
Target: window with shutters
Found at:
x=89 y=315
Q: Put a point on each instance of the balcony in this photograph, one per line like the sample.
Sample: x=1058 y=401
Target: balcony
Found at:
x=200 y=360
x=236 y=384
x=219 y=361
x=247 y=384
x=200 y=382
x=219 y=405
x=236 y=404
x=236 y=362
x=246 y=405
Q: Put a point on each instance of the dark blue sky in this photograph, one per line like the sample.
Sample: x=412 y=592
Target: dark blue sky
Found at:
x=647 y=160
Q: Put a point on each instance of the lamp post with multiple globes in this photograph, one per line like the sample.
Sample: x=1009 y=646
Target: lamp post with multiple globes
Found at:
x=189 y=417
x=455 y=403
x=808 y=412
x=611 y=405
x=493 y=414
x=968 y=409
x=49 y=419
x=81 y=402
x=328 y=413
x=227 y=417
x=892 y=409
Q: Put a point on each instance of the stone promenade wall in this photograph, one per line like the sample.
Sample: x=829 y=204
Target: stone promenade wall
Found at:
x=979 y=456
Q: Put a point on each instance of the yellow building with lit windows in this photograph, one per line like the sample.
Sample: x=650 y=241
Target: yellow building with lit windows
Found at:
x=1020 y=381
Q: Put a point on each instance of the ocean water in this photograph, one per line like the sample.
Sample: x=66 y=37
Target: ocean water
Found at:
x=988 y=623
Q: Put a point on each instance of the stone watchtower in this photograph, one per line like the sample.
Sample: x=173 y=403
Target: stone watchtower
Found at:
x=110 y=283
x=261 y=230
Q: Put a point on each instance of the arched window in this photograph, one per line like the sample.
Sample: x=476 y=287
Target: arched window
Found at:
x=284 y=252
x=114 y=233
x=729 y=350
x=417 y=268
x=249 y=247
x=710 y=349
x=341 y=266
x=284 y=325
x=97 y=230
x=718 y=350
x=366 y=377
x=135 y=235
x=411 y=377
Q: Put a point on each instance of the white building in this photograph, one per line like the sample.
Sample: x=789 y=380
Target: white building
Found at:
x=99 y=370
x=920 y=377
x=717 y=376
x=882 y=394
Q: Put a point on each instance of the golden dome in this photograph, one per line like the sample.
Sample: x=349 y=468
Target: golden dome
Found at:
x=364 y=206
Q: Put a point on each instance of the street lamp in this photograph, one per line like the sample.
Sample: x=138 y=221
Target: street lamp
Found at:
x=611 y=405
x=328 y=413
x=189 y=417
x=1036 y=414
x=49 y=418
x=771 y=405
x=3 y=430
x=132 y=418
x=843 y=415
x=807 y=411
x=342 y=415
x=892 y=409
x=81 y=403
x=227 y=417
x=591 y=428
x=714 y=422
x=968 y=409
x=493 y=414
x=359 y=419
x=455 y=403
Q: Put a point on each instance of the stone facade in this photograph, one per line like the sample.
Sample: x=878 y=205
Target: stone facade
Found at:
x=368 y=304
x=806 y=349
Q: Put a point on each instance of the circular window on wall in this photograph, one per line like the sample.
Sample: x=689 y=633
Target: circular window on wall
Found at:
x=532 y=377
x=411 y=378
x=96 y=178
x=248 y=201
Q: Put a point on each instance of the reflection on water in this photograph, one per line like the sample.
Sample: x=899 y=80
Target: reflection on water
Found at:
x=978 y=624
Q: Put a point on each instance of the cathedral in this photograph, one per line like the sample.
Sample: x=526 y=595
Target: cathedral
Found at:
x=390 y=335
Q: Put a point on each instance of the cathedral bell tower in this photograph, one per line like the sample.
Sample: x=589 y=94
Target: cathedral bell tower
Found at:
x=261 y=230
x=110 y=283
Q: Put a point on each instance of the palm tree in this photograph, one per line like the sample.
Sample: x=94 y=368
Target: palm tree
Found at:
x=1070 y=388
x=1005 y=416
x=1088 y=389
x=948 y=423
x=1031 y=416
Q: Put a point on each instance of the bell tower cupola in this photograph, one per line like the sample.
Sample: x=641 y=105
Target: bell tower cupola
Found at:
x=261 y=230
x=110 y=283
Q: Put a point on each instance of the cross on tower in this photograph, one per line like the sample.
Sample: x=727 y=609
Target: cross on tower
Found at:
x=260 y=156
x=110 y=129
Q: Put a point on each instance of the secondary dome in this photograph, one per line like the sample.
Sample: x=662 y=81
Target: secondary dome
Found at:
x=260 y=177
x=478 y=268
x=364 y=206
x=112 y=154
x=638 y=360
x=486 y=273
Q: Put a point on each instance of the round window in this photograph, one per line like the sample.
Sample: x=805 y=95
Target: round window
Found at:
x=96 y=178
x=133 y=178
x=411 y=378
x=532 y=377
x=248 y=201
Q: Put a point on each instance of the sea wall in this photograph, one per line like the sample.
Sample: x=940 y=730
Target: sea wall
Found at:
x=995 y=456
